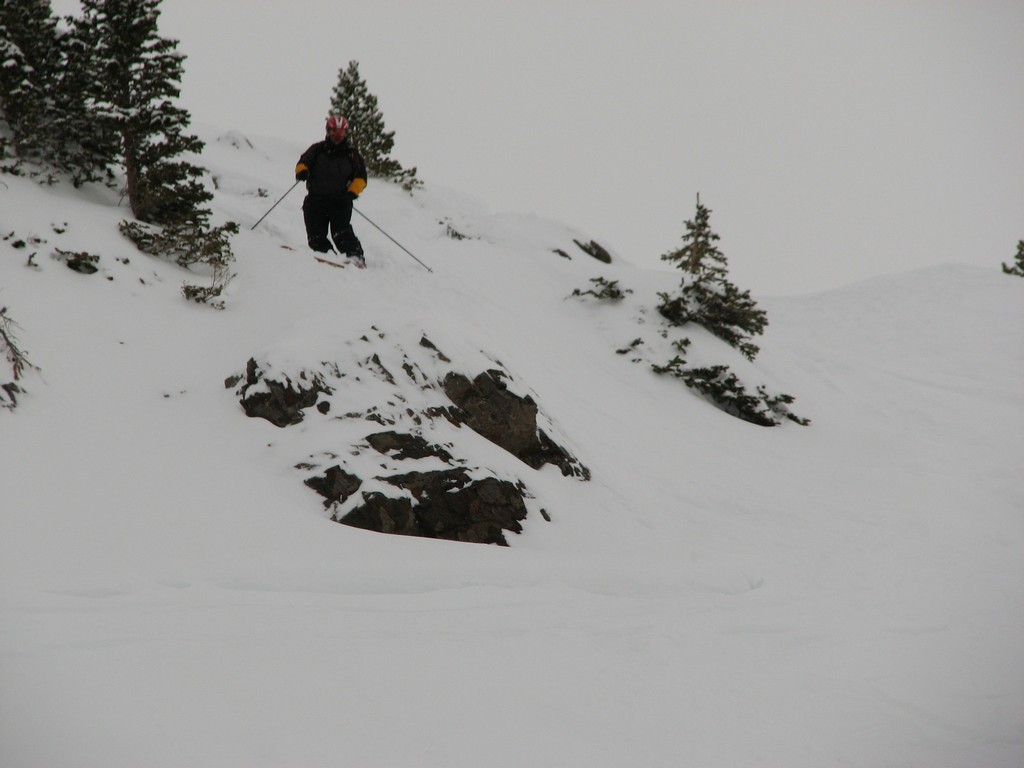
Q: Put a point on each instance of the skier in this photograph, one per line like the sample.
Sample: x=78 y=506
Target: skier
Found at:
x=335 y=175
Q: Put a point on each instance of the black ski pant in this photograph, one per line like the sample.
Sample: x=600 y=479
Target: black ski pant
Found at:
x=333 y=213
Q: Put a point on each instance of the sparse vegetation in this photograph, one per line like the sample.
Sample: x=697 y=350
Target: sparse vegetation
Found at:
x=187 y=245
x=723 y=388
x=609 y=290
x=16 y=358
x=709 y=300
x=1017 y=268
x=80 y=261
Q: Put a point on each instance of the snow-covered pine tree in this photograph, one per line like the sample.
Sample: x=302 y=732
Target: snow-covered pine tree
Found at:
x=135 y=82
x=136 y=76
x=28 y=61
x=353 y=99
x=709 y=298
x=41 y=99
x=1017 y=268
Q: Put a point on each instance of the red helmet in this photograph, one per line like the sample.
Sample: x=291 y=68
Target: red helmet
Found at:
x=337 y=126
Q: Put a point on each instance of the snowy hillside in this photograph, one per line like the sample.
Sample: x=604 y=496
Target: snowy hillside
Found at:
x=706 y=593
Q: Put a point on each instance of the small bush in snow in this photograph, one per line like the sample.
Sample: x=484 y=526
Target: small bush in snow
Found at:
x=1017 y=268
x=208 y=294
x=725 y=390
x=16 y=359
x=188 y=245
x=609 y=290
x=80 y=261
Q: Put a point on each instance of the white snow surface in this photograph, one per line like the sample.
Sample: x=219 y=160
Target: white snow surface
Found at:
x=718 y=594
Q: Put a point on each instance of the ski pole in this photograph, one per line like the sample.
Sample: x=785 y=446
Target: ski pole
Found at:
x=293 y=186
x=389 y=237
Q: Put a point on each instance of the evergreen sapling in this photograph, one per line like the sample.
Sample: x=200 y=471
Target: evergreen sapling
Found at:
x=1017 y=268
x=352 y=98
x=609 y=290
x=707 y=298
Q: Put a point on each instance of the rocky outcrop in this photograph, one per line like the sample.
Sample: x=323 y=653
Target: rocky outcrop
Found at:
x=280 y=403
x=595 y=250
x=448 y=505
x=403 y=446
x=335 y=485
x=397 y=479
x=487 y=407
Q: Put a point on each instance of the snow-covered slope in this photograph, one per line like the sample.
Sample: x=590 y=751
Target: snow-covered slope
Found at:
x=718 y=594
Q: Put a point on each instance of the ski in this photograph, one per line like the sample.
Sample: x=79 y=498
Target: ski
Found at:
x=357 y=263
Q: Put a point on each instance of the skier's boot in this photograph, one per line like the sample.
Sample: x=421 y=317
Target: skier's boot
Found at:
x=320 y=244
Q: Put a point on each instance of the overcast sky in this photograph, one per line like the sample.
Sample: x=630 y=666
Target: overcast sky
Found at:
x=832 y=140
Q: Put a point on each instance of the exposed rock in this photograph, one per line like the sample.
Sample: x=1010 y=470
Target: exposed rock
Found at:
x=385 y=515
x=281 y=404
x=491 y=410
x=428 y=344
x=235 y=139
x=335 y=486
x=460 y=501
x=375 y=363
x=448 y=505
x=594 y=249
x=488 y=408
x=402 y=446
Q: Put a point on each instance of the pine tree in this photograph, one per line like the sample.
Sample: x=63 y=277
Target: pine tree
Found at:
x=353 y=99
x=41 y=94
x=709 y=298
x=29 y=66
x=136 y=76
x=1017 y=268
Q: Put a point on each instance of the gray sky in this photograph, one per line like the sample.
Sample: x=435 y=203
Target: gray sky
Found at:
x=832 y=140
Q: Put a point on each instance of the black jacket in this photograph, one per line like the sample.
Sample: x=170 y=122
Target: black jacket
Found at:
x=333 y=168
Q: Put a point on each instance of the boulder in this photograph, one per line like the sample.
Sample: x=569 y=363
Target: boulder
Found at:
x=445 y=504
x=595 y=250
x=487 y=407
x=402 y=446
x=336 y=485
x=281 y=404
